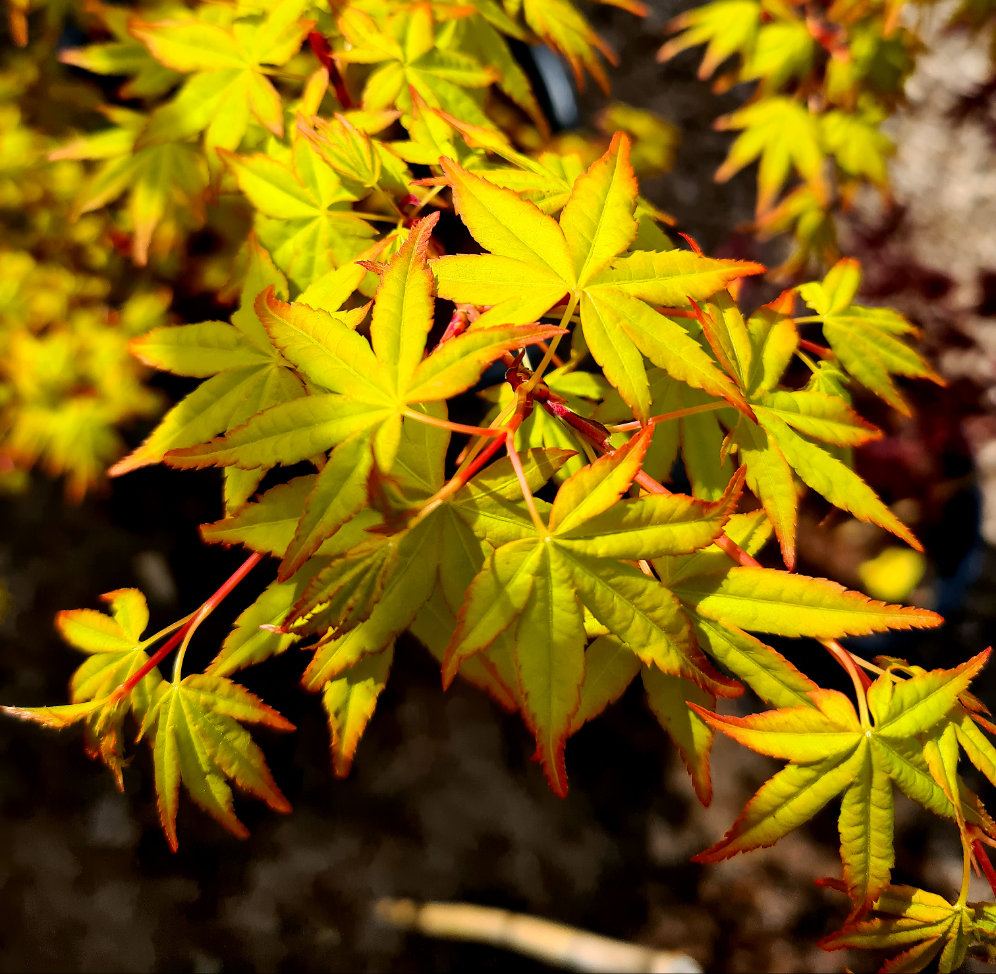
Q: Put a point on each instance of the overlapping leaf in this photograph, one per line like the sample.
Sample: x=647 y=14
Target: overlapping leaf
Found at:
x=561 y=25
x=831 y=752
x=776 y=441
x=228 y=82
x=162 y=180
x=408 y=57
x=726 y=27
x=304 y=214
x=245 y=374
x=125 y=56
x=373 y=591
x=367 y=390
x=114 y=646
x=536 y=585
x=923 y=925
x=536 y=262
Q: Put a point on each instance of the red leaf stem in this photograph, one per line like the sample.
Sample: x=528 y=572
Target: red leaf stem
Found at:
x=815 y=349
x=254 y=559
x=323 y=51
x=983 y=859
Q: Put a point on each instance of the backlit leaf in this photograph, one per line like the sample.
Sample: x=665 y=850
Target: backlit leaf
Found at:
x=199 y=740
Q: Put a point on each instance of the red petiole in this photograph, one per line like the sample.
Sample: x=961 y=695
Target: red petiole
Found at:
x=205 y=610
x=983 y=859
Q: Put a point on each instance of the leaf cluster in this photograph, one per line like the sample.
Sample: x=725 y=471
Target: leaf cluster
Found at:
x=535 y=552
x=824 y=81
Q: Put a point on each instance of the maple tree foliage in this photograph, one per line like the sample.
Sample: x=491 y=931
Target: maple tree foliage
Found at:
x=825 y=76
x=536 y=553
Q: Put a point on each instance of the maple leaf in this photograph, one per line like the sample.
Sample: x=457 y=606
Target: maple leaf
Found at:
x=67 y=374
x=719 y=630
x=355 y=670
x=200 y=740
x=961 y=729
x=268 y=526
x=866 y=340
x=367 y=392
x=831 y=751
x=74 y=437
x=876 y=64
x=923 y=923
x=536 y=585
x=115 y=649
x=431 y=137
x=564 y=28
x=244 y=372
x=427 y=569
x=546 y=180
x=779 y=440
x=365 y=165
x=535 y=262
x=655 y=139
x=781 y=51
x=303 y=212
x=228 y=81
x=125 y=56
x=783 y=133
x=350 y=700
x=727 y=27
x=808 y=217
x=478 y=35
x=373 y=591
x=776 y=442
x=197 y=737
x=857 y=144
x=160 y=180
x=407 y=43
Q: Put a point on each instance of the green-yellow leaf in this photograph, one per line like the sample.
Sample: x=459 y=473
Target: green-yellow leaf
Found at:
x=349 y=701
x=609 y=668
x=669 y=698
x=549 y=659
x=199 y=741
x=766 y=600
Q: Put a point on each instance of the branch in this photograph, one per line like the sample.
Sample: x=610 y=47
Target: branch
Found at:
x=553 y=943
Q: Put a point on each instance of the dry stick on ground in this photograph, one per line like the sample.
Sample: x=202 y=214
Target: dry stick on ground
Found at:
x=553 y=943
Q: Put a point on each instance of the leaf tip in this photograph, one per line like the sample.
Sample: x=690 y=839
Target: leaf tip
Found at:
x=715 y=853
x=133 y=461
